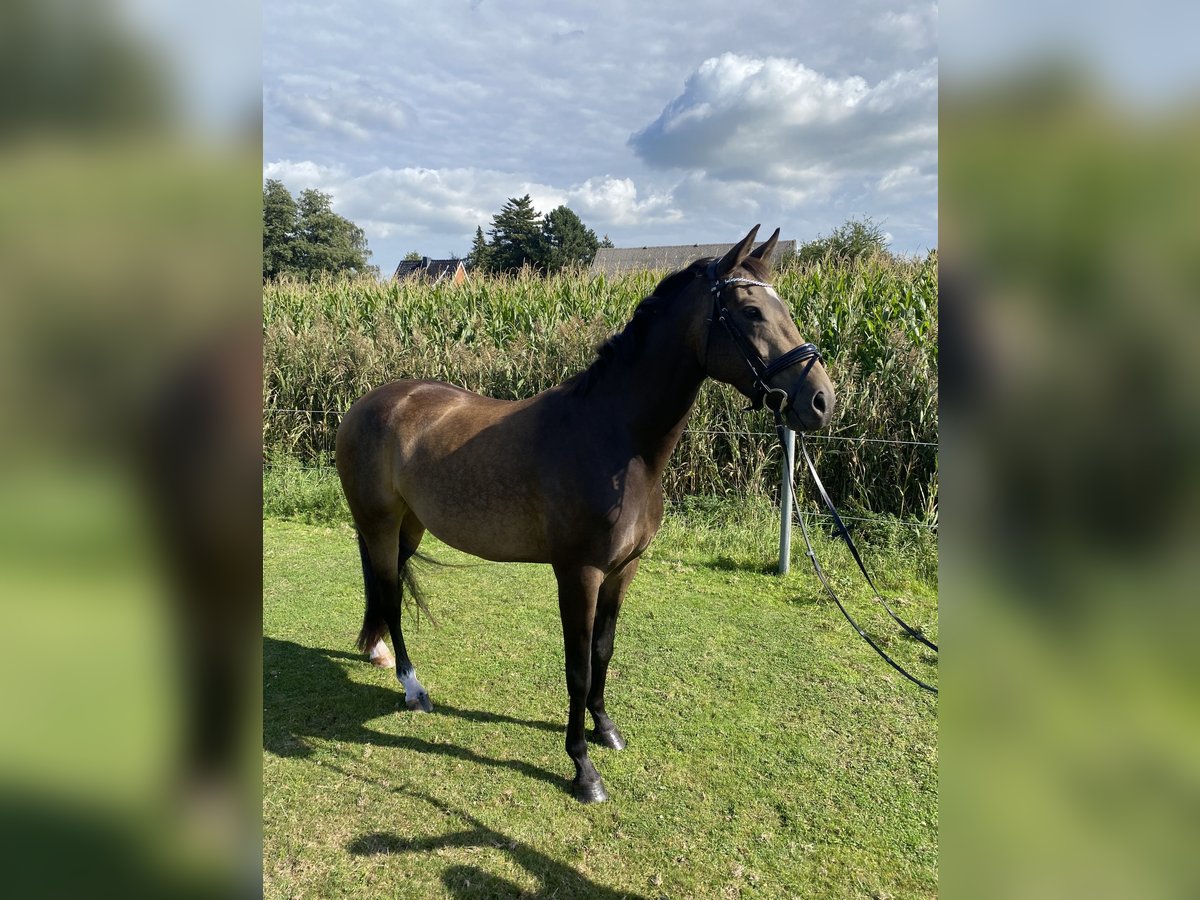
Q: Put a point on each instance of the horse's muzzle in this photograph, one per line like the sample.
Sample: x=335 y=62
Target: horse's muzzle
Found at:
x=809 y=411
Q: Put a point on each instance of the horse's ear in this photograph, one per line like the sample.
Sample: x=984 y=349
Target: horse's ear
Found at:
x=764 y=252
x=734 y=257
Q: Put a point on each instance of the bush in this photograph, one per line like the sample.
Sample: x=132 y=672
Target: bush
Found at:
x=850 y=241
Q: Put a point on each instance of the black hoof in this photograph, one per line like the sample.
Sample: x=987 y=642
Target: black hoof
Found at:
x=612 y=738
x=589 y=792
x=421 y=703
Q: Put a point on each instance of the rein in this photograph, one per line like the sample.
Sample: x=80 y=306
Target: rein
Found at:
x=844 y=534
x=762 y=372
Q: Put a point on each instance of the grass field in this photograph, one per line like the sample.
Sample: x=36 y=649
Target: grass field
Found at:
x=771 y=754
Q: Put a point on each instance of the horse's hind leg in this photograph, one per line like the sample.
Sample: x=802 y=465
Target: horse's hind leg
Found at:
x=370 y=638
x=389 y=550
x=608 y=605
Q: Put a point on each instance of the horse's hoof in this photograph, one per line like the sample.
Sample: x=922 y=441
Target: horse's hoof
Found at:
x=613 y=739
x=420 y=703
x=589 y=792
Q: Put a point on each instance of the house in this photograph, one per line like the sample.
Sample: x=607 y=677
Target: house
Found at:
x=432 y=269
x=615 y=260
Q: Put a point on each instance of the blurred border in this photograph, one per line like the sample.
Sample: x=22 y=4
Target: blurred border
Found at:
x=1070 y=140
x=130 y=360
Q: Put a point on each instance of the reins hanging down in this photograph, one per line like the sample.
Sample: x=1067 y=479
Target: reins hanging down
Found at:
x=844 y=534
x=762 y=372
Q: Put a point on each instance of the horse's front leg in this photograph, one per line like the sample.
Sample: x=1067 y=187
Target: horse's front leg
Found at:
x=612 y=593
x=578 y=588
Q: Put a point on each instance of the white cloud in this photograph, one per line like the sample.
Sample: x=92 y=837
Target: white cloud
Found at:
x=300 y=175
x=775 y=121
x=415 y=202
x=422 y=122
x=612 y=201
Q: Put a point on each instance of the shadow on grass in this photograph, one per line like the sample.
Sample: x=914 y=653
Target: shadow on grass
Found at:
x=556 y=879
x=480 y=715
x=307 y=694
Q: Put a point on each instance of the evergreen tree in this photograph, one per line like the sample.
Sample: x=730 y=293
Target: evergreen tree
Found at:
x=521 y=236
x=516 y=237
x=567 y=241
x=479 y=258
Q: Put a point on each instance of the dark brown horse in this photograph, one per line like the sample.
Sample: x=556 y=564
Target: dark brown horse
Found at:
x=573 y=476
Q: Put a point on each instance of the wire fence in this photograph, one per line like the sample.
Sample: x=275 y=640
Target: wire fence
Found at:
x=722 y=431
x=831 y=439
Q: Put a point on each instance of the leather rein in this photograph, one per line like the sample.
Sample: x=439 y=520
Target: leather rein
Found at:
x=762 y=373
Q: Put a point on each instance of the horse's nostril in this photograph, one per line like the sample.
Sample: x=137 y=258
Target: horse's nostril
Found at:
x=819 y=402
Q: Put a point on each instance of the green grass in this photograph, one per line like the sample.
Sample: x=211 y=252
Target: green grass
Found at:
x=770 y=753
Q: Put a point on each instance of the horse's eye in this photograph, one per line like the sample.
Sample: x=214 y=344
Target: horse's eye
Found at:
x=753 y=313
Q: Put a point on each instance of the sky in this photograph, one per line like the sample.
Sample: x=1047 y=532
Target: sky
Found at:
x=658 y=123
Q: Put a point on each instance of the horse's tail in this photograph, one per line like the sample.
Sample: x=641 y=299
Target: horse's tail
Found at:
x=374 y=617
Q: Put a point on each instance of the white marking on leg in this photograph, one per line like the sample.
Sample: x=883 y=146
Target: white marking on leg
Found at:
x=412 y=687
x=381 y=655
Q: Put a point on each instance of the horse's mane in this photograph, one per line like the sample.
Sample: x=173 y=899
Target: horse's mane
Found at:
x=629 y=342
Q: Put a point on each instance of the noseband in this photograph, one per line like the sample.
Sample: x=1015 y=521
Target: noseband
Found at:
x=761 y=370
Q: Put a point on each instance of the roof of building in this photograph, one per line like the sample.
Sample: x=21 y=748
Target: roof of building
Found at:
x=614 y=260
x=436 y=269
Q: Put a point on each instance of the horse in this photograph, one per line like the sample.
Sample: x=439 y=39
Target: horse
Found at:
x=571 y=477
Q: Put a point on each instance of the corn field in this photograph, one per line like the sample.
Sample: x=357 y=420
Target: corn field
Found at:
x=328 y=342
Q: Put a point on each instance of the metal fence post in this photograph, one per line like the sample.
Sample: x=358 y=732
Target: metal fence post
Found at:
x=785 y=501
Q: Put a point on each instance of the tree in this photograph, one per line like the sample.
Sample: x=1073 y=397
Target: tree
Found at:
x=521 y=236
x=327 y=242
x=279 y=229
x=566 y=240
x=516 y=237
x=480 y=256
x=307 y=237
x=851 y=240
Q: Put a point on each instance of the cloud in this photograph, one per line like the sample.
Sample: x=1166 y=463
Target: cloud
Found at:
x=361 y=117
x=612 y=201
x=416 y=202
x=775 y=121
x=913 y=29
x=908 y=181
x=425 y=121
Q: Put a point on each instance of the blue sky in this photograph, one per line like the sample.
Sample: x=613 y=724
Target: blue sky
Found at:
x=657 y=123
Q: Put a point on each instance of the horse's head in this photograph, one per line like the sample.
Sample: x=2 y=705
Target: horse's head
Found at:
x=752 y=342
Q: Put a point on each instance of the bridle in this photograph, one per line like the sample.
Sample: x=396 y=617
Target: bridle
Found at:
x=762 y=373
x=760 y=370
